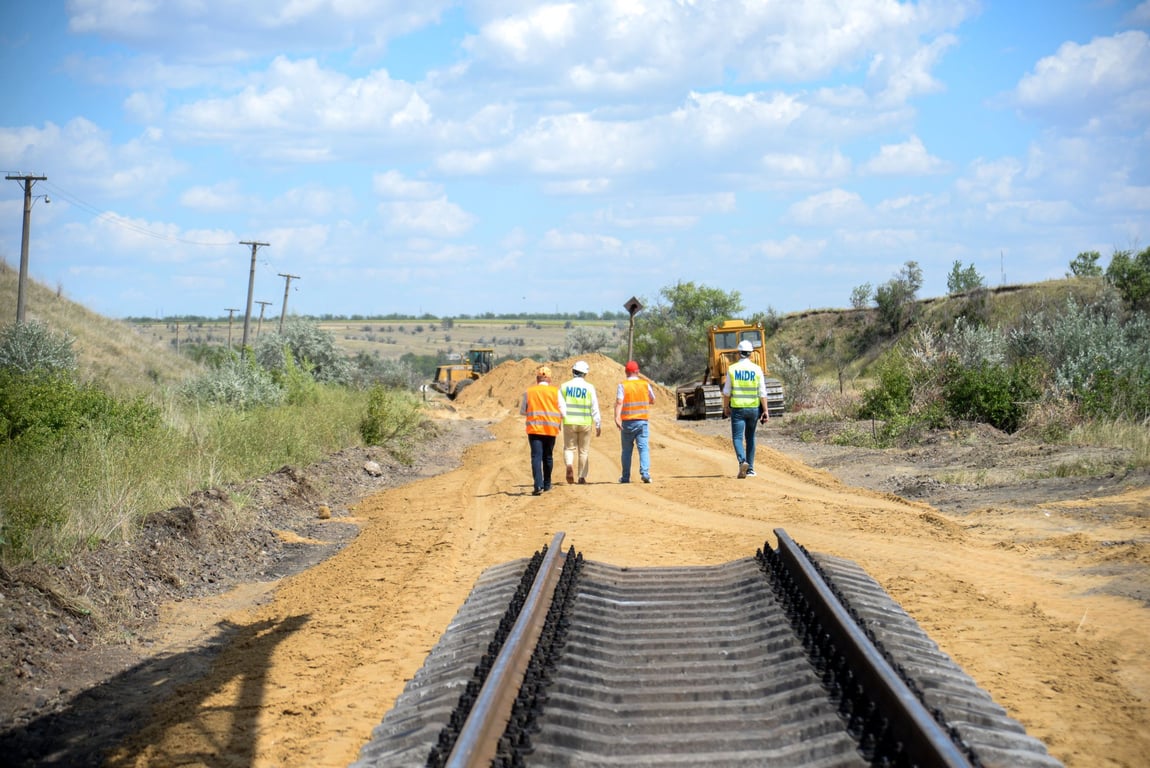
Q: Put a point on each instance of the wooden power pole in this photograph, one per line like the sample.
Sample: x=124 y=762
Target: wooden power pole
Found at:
x=231 y=314
x=287 y=286
x=260 y=324
x=251 y=287
x=21 y=287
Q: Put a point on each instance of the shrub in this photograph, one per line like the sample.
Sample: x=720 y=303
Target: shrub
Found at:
x=32 y=346
x=40 y=409
x=994 y=394
x=1119 y=394
x=893 y=389
x=238 y=383
x=310 y=346
x=393 y=417
x=797 y=384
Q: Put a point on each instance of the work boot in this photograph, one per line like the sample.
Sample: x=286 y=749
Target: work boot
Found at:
x=570 y=475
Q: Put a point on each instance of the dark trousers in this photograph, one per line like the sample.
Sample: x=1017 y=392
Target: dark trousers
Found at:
x=542 y=461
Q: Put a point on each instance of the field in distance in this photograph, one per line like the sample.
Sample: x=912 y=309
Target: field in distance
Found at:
x=392 y=338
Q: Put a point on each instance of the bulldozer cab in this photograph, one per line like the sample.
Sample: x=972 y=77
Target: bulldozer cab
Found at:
x=723 y=341
x=481 y=359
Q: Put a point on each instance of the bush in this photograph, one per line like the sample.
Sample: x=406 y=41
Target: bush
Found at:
x=237 y=383
x=892 y=392
x=40 y=409
x=797 y=384
x=1118 y=394
x=32 y=347
x=993 y=394
x=310 y=346
x=392 y=420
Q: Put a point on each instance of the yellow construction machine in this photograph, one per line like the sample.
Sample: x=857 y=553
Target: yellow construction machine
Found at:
x=453 y=378
x=704 y=400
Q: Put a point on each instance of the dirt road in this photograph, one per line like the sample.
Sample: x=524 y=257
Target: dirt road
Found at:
x=1015 y=596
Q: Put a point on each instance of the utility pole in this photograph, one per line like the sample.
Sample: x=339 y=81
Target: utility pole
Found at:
x=231 y=314
x=283 y=309
x=251 y=287
x=260 y=324
x=28 y=182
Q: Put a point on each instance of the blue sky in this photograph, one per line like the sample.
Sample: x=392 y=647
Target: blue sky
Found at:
x=515 y=156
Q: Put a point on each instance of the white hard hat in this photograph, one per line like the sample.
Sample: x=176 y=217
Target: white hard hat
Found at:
x=746 y=346
x=581 y=367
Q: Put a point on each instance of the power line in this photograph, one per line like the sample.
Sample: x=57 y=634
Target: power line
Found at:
x=115 y=218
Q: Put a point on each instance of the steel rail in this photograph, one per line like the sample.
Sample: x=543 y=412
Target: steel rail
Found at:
x=479 y=737
x=925 y=741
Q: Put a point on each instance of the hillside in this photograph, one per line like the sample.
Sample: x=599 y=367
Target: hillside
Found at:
x=107 y=350
x=851 y=339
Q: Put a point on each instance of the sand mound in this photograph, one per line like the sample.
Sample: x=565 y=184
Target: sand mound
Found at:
x=505 y=385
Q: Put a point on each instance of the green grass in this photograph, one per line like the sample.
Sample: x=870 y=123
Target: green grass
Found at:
x=92 y=488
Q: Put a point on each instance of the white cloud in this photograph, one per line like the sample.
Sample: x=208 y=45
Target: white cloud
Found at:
x=578 y=187
x=224 y=196
x=299 y=98
x=907 y=159
x=1139 y=16
x=1107 y=77
x=223 y=30
x=140 y=166
x=556 y=240
x=835 y=207
x=812 y=166
x=434 y=218
x=990 y=180
x=791 y=250
x=607 y=46
x=393 y=184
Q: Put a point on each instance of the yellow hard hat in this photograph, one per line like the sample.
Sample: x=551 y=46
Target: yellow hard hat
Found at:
x=543 y=372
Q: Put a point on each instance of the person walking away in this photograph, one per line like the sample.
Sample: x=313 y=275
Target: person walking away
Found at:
x=745 y=402
x=544 y=408
x=633 y=401
x=581 y=417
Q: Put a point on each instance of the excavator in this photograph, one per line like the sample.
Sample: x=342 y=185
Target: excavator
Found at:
x=453 y=378
x=704 y=400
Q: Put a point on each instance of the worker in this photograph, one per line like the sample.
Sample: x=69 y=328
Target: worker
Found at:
x=544 y=408
x=633 y=401
x=745 y=402
x=582 y=416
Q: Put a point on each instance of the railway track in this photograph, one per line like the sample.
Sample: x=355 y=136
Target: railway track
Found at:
x=786 y=658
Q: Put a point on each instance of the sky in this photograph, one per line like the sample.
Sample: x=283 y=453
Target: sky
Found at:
x=511 y=156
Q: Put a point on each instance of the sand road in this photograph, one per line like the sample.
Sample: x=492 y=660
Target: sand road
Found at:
x=315 y=663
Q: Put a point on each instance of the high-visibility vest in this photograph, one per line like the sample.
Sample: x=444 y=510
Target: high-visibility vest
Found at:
x=577 y=394
x=543 y=416
x=636 y=399
x=745 y=379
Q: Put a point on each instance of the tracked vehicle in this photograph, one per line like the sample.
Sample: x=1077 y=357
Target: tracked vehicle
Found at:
x=704 y=400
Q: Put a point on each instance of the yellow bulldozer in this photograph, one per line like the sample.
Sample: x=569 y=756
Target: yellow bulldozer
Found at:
x=704 y=400
x=453 y=378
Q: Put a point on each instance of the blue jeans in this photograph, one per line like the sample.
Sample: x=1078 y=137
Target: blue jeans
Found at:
x=635 y=433
x=542 y=447
x=743 y=423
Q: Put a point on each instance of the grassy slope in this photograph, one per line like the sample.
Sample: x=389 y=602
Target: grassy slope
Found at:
x=108 y=350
